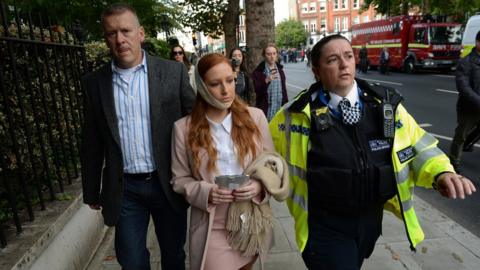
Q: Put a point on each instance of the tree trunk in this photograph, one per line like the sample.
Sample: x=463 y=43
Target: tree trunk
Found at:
x=260 y=24
x=230 y=21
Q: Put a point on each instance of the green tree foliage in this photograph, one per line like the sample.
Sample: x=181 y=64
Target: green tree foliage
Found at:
x=157 y=47
x=205 y=16
x=214 y=18
x=98 y=54
x=458 y=9
x=87 y=13
x=290 y=33
x=391 y=7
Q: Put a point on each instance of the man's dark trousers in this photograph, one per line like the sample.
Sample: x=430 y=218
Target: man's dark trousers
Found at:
x=143 y=196
x=465 y=124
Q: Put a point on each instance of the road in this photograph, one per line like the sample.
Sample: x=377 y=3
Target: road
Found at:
x=431 y=98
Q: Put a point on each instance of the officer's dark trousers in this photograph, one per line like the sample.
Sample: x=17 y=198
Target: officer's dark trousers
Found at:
x=341 y=242
x=144 y=198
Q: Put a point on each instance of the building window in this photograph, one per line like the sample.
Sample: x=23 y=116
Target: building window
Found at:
x=242 y=37
x=396 y=28
x=356 y=20
x=313 y=7
x=356 y=4
x=378 y=17
x=344 y=4
x=366 y=18
x=419 y=35
x=335 y=4
x=304 y=7
x=313 y=27
x=337 y=25
x=323 y=5
x=345 y=23
x=305 y=26
x=240 y=23
x=323 y=24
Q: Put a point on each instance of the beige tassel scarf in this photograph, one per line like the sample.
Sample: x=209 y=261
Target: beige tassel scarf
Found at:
x=248 y=223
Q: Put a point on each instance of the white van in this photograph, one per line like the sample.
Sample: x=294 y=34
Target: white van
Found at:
x=471 y=30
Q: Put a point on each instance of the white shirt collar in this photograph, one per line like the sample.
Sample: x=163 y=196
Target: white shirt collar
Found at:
x=226 y=124
x=352 y=96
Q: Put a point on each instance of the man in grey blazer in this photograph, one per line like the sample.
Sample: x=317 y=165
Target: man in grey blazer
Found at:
x=130 y=107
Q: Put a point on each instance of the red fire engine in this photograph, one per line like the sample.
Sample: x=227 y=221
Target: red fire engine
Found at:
x=413 y=42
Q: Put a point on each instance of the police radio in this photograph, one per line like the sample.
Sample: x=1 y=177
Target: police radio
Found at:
x=388 y=121
x=388 y=117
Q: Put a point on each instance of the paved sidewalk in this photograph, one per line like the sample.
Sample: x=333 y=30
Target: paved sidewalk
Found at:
x=448 y=246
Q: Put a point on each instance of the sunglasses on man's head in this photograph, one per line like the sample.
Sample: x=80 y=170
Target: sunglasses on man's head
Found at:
x=177 y=53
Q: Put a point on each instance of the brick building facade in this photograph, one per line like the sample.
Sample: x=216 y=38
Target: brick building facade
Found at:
x=323 y=17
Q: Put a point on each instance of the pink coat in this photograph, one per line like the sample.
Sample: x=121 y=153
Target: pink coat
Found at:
x=196 y=192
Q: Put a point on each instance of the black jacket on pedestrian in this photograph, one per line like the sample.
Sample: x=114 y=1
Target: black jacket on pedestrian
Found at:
x=363 y=53
x=467 y=78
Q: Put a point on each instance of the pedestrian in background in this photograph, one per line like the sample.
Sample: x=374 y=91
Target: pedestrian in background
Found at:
x=294 y=55
x=308 y=54
x=269 y=80
x=467 y=78
x=193 y=58
x=222 y=136
x=363 y=59
x=177 y=53
x=384 y=60
x=244 y=84
x=131 y=104
x=356 y=151
x=284 y=55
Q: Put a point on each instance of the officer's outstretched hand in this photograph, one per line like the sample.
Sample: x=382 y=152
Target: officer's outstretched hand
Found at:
x=452 y=185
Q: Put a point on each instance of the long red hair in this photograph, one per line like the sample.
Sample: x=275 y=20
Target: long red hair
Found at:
x=245 y=134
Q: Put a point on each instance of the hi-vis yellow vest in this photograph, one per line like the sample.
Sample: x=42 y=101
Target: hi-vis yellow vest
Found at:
x=415 y=157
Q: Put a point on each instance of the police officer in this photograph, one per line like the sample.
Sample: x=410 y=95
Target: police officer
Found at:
x=352 y=151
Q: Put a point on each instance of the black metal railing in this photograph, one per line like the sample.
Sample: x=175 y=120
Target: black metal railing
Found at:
x=40 y=114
